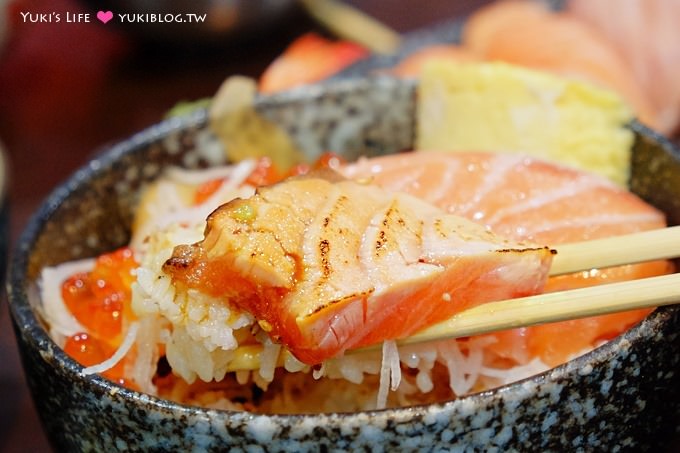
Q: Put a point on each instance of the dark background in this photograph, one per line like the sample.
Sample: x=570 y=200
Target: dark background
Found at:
x=66 y=90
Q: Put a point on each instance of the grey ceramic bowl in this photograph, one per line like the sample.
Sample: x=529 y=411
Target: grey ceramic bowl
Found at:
x=623 y=396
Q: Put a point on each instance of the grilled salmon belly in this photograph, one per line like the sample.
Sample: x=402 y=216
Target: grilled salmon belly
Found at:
x=327 y=264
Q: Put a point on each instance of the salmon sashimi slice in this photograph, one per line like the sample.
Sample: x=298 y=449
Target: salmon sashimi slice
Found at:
x=514 y=195
x=308 y=59
x=327 y=264
x=530 y=200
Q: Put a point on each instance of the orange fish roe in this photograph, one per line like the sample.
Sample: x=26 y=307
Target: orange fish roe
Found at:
x=326 y=160
x=265 y=173
x=89 y=351
x=205 y=190
x=100 y=299
x=330 y=160
x=308 y=59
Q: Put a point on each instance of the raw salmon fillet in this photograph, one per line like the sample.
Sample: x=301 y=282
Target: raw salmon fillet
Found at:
x=310 y=58
x=327 y=264
x=530 y=200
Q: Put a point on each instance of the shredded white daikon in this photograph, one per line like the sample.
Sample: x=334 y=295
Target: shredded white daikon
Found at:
x=390 y=372
x=516 y=373
x=464 y=369
x=170 y=203
x=269 y=358
x=319 y=372
x=62 y=323
x=143 y=368
x=236 y=173
x=109 y=363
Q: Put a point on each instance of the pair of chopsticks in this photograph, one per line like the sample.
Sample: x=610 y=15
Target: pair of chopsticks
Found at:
x=576 y=303
x=562 y=305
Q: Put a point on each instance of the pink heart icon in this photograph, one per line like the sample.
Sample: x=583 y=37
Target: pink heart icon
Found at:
x=104 y=16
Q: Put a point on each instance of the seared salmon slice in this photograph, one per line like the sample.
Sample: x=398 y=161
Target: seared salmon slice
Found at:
x=327 y=264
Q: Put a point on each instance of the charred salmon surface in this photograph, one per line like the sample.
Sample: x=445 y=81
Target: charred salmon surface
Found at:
x=327 y=264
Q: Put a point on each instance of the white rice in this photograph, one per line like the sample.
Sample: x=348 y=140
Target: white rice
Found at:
x=202 y=341
x=190 y=359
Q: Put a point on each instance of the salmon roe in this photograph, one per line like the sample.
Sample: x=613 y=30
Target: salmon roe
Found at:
x=205 y=190
x=265 y=173
x=100 y=299
x=89 y=351
x=326 y=160
x=329 y=160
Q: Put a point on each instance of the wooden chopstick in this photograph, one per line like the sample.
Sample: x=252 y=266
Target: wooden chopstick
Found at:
x=564 y=305
x=350 y=23
x=553 y=307
x=618 y=250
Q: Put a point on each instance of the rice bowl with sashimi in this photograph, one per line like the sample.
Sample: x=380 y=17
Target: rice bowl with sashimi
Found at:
x=187 y=360
x=203 y=331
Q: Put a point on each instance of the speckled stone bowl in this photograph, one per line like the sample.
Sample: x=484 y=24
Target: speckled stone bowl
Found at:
x=623 y=396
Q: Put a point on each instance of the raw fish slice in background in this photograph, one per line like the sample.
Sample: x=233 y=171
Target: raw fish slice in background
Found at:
x=310 y=58
x=527 y=199
x=514 y=195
